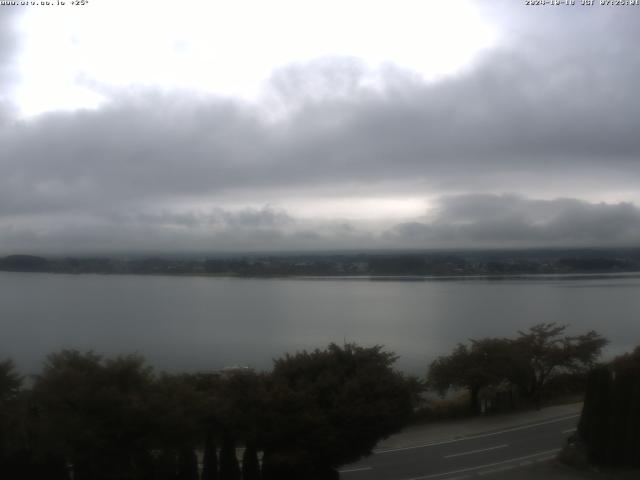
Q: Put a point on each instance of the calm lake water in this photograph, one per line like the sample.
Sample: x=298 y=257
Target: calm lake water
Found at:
x=188 y=323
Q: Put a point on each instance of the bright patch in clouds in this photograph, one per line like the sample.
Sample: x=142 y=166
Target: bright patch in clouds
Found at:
x=362 y=208
x=71 y=56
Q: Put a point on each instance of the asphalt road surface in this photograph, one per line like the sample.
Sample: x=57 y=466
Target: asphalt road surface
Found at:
x=477 y=456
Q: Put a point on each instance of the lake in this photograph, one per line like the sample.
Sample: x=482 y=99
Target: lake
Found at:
x=199 y=323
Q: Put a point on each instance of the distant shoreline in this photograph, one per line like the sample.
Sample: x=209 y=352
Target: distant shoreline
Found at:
x=372 y=278
x=495 y=265
x=521 y=276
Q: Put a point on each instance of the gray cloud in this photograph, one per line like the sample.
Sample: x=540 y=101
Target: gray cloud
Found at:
x=486 y=220
x=551 y=112
x=9 y=44
x=247 y=230
x=463 y=221
x=267 y=217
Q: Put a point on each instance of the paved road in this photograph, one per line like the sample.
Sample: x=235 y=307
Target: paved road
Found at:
x=476 y=456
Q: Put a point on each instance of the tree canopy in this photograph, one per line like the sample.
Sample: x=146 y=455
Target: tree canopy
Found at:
x=94 y=413
x=526 y=362
x=114 y=418
x=484 y=362
x=544 y=349
x=330 y=407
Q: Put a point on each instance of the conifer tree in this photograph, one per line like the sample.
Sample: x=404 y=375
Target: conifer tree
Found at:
x=250 y=464
x=210 y=460
x=229 y=468
x=187 y=464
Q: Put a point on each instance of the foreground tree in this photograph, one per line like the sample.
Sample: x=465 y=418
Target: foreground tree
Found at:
x=176 y=409
x=483 y=363
x=114 y=419
x=609 y=425
x=10 y=385
x=229 y=468
x=94 y=413
x=527 y=362
x=209 y=459
x=545 y=350
x=330 y=407
x=187 y=464
x=250 y=464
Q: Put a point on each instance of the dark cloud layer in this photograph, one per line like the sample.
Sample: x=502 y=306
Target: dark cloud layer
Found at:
x=463 y=221
x=552 y=111
x=486 y=221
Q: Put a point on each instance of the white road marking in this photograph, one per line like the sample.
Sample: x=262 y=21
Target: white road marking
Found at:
x=476 y=451
x=472 y=437
x=569 y=430
x=488 y=465
x=350 y=470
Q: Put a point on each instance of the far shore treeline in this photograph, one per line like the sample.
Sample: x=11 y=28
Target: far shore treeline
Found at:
x=430 y=263
x=88 y=417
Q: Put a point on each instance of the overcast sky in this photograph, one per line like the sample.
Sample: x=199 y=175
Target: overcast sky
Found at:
x=288 y=124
